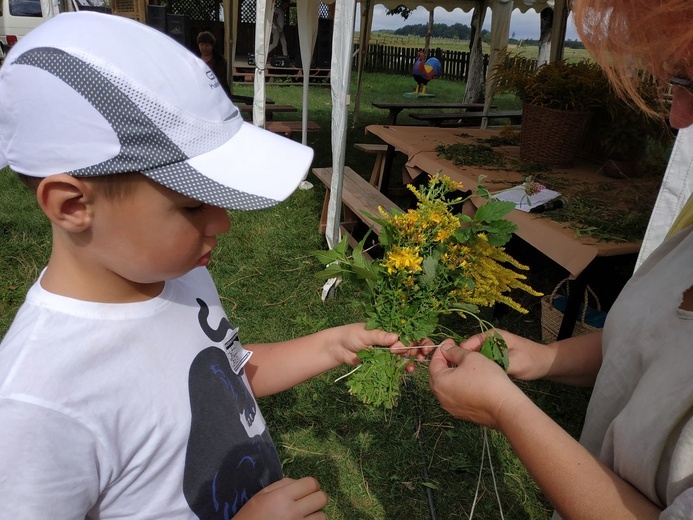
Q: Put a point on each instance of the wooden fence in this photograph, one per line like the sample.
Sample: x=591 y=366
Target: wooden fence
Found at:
x=400 y=60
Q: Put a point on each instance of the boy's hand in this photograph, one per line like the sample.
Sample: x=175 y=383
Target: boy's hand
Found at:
x=356 y=337
x=418 y=351
x=286 y=499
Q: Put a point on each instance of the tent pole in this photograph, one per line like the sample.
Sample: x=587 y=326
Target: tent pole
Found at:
x=364 y=40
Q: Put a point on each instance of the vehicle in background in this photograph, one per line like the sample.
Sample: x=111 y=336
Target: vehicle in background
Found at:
x=17 y=17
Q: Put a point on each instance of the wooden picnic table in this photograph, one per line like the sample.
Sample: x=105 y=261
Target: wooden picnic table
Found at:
x=466 y=118
x=269 y=109
x=248 y=100
x=395 y=108
x=576 y=254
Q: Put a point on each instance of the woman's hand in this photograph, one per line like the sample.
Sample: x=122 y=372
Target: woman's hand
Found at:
x=528 y=360
x=470 y=386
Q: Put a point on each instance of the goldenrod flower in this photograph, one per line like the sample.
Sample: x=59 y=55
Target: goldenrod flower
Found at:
x=432 y=266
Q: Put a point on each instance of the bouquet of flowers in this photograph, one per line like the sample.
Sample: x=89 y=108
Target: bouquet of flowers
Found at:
x=435 y=262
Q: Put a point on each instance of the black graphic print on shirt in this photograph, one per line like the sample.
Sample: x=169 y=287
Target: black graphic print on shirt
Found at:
x=230 y=455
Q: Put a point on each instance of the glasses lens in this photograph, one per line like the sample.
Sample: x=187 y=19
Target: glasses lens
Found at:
x=681 y=82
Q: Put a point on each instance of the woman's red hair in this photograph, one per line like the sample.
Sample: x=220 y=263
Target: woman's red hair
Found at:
x=630 y=36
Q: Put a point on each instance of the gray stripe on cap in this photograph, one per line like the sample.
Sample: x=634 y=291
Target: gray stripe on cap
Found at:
x=183 y=178
x=144 y=146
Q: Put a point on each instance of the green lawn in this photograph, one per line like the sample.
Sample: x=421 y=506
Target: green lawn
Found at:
x=374 y=464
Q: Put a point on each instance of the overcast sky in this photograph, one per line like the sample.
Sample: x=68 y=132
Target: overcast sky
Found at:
x=523 y=25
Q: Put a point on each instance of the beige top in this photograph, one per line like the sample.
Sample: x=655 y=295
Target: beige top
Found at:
x=639 y=419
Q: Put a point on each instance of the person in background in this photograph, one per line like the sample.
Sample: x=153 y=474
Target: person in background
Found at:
x=206 y=44
x=278 y=23
x=635 y=455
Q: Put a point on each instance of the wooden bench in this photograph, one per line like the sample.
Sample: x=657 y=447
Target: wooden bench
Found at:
x=278 y=127
x=394 y=109
x=297 y=126
x=358 y=196
x=466 y=118
x=379 y=150
x=289 y=127
x=270 y=110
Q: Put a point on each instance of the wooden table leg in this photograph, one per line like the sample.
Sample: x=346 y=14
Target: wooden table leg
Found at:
x=387 y=168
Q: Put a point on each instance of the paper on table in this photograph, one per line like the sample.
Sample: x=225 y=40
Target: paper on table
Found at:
x=525 y=202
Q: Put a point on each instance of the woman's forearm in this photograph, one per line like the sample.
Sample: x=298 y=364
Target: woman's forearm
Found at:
x=577 y=484
x=576 y=361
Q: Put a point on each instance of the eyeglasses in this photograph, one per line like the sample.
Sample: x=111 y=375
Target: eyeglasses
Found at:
x=684 y=83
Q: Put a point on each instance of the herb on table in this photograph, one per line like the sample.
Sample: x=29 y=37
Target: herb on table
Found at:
x=435 y=262
x=471 y=155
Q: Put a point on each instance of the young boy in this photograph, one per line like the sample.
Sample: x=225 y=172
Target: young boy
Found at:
x=124 y=390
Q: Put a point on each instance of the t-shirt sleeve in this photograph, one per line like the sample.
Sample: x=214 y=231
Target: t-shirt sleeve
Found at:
x=49 y=463
x=681 y=508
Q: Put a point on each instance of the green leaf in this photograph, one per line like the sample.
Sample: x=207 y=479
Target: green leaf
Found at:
x=499 y=232
x=495 y=348
x=378 y=382
x=365 y=272
x=327 y=257
x=429 y=485
x=493 y=210
x=467 y=308
x=332 y=271
x=430 y=267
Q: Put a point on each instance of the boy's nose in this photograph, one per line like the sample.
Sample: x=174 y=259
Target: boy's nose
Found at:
x=218 y=222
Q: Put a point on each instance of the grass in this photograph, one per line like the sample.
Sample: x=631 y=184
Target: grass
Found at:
x=374 y=464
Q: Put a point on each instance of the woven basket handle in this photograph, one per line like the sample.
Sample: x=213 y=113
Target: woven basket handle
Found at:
x=588 y=292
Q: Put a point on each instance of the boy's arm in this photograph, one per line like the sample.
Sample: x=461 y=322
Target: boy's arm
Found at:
x=274 y=367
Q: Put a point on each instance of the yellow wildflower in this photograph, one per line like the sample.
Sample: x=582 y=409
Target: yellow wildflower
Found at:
x=403 y=259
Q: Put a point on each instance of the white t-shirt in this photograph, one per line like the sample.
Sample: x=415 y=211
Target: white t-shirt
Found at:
x=279 y=18
x=128 y=410
x=639 y=420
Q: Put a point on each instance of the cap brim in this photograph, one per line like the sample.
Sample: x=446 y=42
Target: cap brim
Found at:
x=254 y=169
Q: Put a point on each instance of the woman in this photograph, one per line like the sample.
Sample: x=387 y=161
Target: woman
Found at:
x=206 y=43
x=635 y=456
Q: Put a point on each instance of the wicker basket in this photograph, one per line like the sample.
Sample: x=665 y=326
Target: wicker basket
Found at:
x=551 y=136
x=551 y=317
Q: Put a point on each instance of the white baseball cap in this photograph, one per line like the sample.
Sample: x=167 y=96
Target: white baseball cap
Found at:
x=94 y=94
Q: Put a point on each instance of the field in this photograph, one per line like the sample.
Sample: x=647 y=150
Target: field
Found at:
x=414 y=462
x=529 y=51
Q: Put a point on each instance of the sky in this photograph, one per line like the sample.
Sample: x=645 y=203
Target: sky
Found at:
x=523 y=25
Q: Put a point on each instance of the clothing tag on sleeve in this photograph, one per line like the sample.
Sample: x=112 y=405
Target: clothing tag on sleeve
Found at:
x=238 y=356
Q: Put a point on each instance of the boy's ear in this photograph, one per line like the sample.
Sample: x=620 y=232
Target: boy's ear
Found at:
x=66 y=201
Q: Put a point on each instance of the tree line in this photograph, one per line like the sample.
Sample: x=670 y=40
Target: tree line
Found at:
x=460 y=31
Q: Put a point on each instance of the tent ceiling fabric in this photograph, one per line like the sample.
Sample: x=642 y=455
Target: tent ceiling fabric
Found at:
x=466 y=5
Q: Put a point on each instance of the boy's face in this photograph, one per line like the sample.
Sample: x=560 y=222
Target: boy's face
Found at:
x=154 y=234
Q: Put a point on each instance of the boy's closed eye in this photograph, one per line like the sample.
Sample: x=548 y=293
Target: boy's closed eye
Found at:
x=197 y=208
